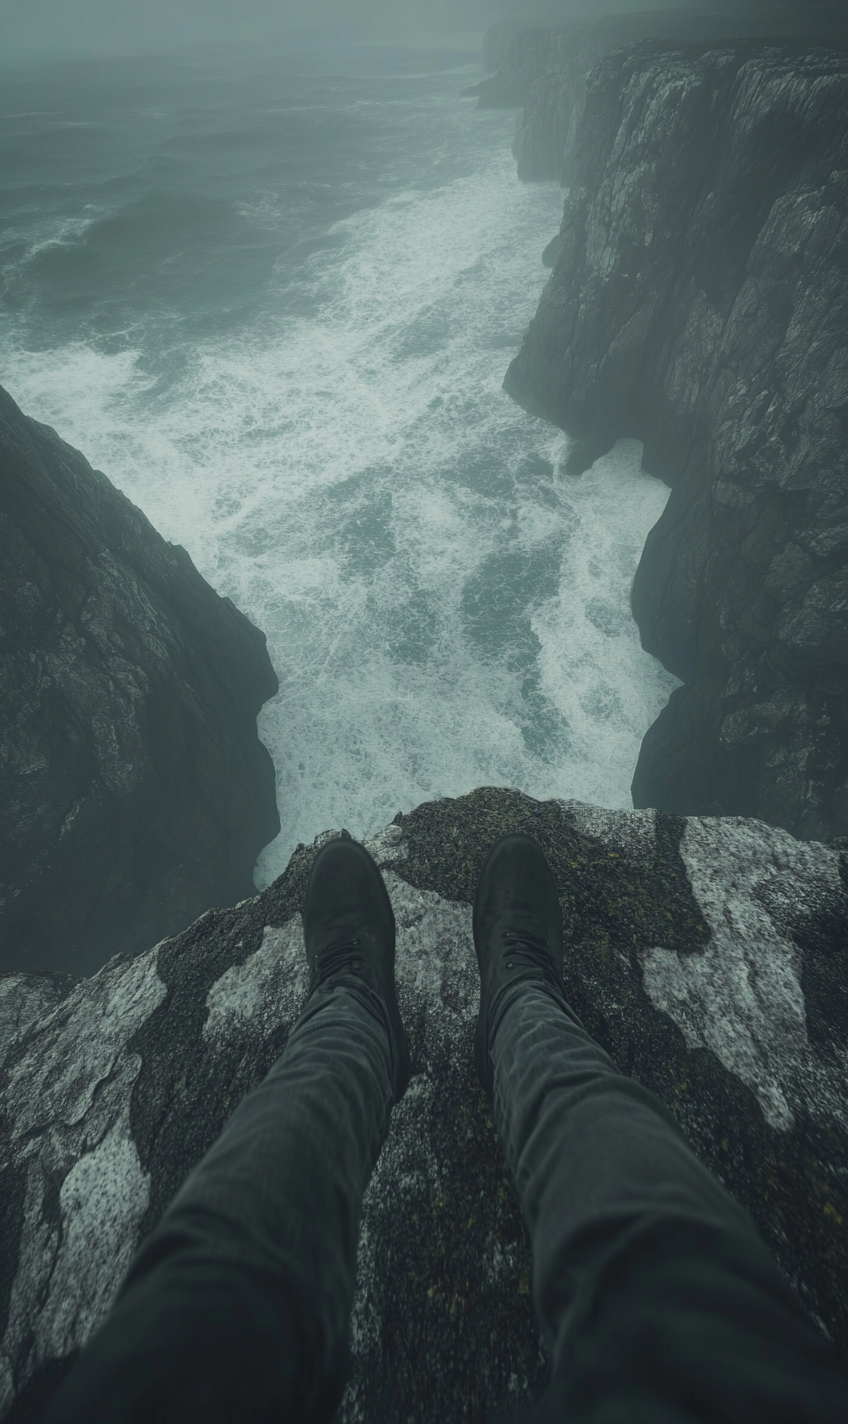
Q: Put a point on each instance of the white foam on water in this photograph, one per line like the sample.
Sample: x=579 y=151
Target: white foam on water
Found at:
x=591 y=661
x=444 y=607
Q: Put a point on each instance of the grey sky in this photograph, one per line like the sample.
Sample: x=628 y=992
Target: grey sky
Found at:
x=159 y=24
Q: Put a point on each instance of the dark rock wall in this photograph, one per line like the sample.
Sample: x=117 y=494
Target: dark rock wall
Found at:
x=518 y=56
x=495 y=43
x=545 y=68
x=546 y=131
x=134 y=791
x=700 y=303
x=112 y=1088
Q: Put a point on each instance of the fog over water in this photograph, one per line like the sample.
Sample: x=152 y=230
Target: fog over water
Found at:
x=158 y=26
x=276 y=308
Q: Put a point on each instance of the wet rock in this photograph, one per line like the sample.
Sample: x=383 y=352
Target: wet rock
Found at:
x=551 y=252
x=544 y=68
x=707 y=956
x=495 y=42
x=134 y=791
x=700 y=303
x=547 y=126
x=535 y=62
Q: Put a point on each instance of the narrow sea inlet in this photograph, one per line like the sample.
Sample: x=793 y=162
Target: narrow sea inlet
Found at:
x=274 y=300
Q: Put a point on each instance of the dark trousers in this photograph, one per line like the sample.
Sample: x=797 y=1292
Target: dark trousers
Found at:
x=658 y=1301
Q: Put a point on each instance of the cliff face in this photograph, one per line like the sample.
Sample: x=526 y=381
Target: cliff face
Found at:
x=134 y=791
x=545 y=68
x=126 y=1078
x=546 y=131
x=518 y=56
x=700 y=302
x=495 y=43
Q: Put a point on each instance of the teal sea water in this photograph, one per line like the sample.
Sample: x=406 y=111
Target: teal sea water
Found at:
x=273 y=297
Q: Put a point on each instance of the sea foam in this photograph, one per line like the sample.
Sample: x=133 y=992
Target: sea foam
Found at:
x=444 y=606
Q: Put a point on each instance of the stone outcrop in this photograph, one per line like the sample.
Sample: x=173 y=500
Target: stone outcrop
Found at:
x=522 y=57
x=544 y=68
x=709 y=957
x=547 y=126
x=134 y=792
x=551 y=252
x=700 y=303
x=495 y=42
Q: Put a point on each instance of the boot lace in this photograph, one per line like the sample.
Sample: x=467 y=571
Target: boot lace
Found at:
x=345 y=954
x=523 y=950
x=527 y=951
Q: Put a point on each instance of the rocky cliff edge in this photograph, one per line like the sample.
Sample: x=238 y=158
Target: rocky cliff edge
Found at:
x=134 y=791
x=545 y=69
x=707 y=956
x=700 y=303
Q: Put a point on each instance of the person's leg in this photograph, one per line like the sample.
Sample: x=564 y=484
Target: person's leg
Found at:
x=657 y=1298
x=236 y=1307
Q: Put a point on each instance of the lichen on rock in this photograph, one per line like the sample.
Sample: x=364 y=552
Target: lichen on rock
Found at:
x=704 y=955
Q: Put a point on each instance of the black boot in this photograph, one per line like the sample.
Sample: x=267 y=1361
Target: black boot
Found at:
x=517 y=935
x=349 y=930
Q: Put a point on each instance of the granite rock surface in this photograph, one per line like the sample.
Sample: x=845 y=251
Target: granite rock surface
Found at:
x=707 y=956
x=134 y=791
x=700 y=303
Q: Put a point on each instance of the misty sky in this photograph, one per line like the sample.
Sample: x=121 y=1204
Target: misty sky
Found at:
x=159 y=24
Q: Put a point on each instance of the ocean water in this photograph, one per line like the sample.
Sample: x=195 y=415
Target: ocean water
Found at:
x=273 y=297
